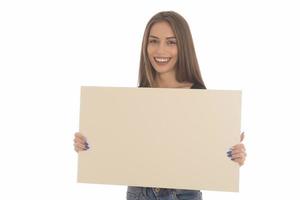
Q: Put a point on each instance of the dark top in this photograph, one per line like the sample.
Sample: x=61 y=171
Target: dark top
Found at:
x=197 y=86
x=194 y=86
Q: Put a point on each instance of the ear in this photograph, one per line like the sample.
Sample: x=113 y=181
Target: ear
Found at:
x=242 y=136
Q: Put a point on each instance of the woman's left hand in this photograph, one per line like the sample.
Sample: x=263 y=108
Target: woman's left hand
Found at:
x=238 y=153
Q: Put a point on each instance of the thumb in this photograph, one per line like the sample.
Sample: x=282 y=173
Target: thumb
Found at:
x=242 y=136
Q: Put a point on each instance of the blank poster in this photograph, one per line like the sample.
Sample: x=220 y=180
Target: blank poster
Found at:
x=160 y=137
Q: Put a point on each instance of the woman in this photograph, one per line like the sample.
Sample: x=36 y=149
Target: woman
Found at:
x=168 y=60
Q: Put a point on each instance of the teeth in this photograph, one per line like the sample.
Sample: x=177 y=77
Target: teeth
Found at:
x=161 y=60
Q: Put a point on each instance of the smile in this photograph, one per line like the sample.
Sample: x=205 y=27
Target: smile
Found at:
x=162 y=59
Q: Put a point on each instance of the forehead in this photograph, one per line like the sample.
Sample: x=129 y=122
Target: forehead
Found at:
x=161 y=29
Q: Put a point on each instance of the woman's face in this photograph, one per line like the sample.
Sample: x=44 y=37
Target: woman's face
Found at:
x=162 y=48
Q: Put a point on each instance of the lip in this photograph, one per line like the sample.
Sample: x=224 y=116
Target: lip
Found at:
x=162 y=60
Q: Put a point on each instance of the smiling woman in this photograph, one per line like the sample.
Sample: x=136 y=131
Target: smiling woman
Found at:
x=168 y=60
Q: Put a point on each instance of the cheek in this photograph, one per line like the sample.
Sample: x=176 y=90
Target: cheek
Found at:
x=149 y=55
x=175 y=52
x=149 y=51
x=175 y=55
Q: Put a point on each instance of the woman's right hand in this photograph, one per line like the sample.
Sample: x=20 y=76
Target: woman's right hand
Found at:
x=80 y=143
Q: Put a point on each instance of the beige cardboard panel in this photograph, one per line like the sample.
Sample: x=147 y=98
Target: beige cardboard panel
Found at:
x=159 y=137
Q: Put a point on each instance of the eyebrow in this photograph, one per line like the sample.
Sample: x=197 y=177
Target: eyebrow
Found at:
x=173 y=37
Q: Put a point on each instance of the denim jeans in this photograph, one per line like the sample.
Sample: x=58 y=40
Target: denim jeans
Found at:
x=147 y=193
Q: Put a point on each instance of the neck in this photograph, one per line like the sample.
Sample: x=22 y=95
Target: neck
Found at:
x=168 y=80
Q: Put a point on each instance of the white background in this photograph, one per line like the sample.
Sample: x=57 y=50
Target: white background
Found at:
x=48 y=49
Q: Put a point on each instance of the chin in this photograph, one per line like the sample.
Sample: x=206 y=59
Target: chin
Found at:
x=163 y=70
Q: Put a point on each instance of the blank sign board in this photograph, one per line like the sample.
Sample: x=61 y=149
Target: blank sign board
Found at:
x=160 y=137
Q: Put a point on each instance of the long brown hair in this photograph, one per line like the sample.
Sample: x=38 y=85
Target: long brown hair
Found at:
x=187 y=67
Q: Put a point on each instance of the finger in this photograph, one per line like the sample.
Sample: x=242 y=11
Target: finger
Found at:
x=77 y=149
x=238 y=146
x=80 y=145
x=240 y=149
x=80 y=135
x=79 y=140
x=238 y=155
x=242 y=136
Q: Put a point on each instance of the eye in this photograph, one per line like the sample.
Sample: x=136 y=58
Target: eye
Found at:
x=152 y=41
x=171 y=42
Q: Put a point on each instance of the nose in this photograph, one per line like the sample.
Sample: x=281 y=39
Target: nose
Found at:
x=161 y=48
